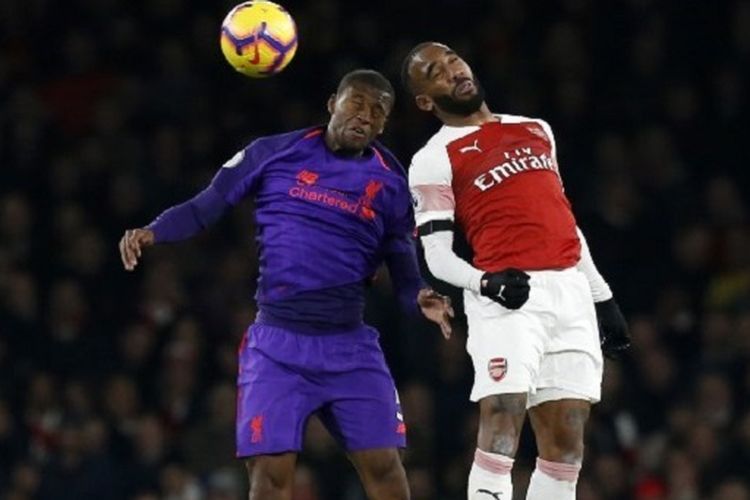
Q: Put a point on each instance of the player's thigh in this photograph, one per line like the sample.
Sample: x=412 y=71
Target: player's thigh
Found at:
x=379 y=467
x=572 y=364
x=559 y=427
x=361 y=407
x=271 y=477
x=274 y=403
x=505 y=346
x=364 y=411
x=573 y=374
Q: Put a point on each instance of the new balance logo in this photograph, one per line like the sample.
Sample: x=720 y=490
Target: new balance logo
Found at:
x=493 y=494
x=307 y=177
x=473 y=147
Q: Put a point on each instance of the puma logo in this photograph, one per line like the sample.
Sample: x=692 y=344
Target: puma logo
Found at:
x=493 y=494
x=473 y=147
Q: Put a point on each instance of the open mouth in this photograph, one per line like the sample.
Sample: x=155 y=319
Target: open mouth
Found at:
x=358 y=132
x=464 y=88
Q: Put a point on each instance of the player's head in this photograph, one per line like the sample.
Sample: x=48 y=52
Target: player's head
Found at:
x=359 y=109
x=440 y=81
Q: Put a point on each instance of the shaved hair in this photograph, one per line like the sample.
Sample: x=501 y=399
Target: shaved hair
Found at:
x=368 y=77
x=405 y=78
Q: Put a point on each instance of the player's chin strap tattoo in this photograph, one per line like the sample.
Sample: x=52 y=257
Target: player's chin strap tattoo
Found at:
x=509 y=287
x=613 y=329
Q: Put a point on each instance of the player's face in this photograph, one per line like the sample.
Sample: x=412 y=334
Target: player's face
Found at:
x=358 y=115
x=444 y=81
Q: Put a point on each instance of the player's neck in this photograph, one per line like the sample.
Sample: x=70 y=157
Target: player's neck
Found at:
x=479 y=117
x=336 y=148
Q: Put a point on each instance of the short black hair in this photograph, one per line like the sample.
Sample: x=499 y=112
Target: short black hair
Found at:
x=368 y=77
x=405 y=79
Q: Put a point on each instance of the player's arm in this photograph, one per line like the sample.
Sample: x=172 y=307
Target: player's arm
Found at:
x=401 y=259
x=508 y=287
x=180 y=222
x=412 y=292
x=613 y=329
x=434 y=202
x=174 y=224
x=430 y=179
x=437 y=239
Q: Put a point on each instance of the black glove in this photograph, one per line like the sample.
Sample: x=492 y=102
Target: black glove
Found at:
x=509 y=287
x=613 y=329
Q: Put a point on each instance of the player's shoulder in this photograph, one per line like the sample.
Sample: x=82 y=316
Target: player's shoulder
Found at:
x=284 y=140
x=532 y=121
x=263 y=148
x=431 y=163
x=389 y=162
x=437 y=144
x=513 y=119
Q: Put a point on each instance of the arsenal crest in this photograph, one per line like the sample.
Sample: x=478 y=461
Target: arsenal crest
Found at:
x=497 y=367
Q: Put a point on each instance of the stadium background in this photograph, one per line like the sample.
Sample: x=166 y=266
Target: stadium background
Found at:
x=117 y=385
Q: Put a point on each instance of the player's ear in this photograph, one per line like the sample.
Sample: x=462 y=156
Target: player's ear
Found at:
x=424 y=102
x=331 y=103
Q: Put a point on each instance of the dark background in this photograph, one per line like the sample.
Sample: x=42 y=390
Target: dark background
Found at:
x=118 y=385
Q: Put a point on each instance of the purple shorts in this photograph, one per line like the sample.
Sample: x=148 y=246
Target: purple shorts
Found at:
x=285 y=377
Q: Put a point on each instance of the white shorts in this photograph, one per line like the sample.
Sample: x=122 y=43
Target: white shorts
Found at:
x=549 y=348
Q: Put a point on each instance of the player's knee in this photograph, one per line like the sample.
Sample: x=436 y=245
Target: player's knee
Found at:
x=385 y=469
x=268 y=476
x=563 y=440
x=501 y=420
x=566 y=447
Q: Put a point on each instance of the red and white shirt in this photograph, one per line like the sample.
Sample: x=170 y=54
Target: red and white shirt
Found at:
x=500 y=182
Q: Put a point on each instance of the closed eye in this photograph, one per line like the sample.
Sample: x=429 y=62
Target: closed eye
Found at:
x=435 y=72
x=430 y=67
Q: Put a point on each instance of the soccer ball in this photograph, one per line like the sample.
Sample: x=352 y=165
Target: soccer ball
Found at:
x=258 y=38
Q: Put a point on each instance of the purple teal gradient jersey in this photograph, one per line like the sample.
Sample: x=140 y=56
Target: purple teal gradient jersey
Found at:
x=342 y=377
x=324 y=225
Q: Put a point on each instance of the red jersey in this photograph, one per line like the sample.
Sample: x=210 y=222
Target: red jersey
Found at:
x=500 y=182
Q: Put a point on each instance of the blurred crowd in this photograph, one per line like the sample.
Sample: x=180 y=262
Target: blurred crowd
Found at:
x=118 y=385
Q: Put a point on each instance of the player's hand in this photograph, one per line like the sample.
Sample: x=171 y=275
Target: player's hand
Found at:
x=613 y=329
x=509 y=287
x=132 y=244
x=437 y=308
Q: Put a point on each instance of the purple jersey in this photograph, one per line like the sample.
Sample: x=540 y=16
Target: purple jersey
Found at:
x=324 y=224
